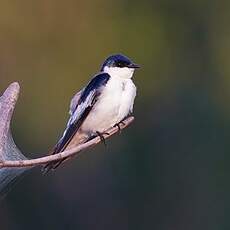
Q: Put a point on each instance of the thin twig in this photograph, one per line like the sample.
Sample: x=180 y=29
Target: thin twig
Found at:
x=65 y=154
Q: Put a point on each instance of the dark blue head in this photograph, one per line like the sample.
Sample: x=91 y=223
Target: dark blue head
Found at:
x=120 y=61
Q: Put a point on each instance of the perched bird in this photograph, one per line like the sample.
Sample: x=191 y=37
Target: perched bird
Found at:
x=103 y=103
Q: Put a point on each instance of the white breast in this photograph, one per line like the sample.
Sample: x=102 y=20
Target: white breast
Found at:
x=113 y=105
x=127 y=99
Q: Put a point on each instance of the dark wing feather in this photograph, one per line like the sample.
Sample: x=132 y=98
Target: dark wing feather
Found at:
x=70 y=132
x=85 y=103
x=74 y=102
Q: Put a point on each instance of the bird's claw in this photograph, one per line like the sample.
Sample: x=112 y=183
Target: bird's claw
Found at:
x=102 y=137
x=118 y=125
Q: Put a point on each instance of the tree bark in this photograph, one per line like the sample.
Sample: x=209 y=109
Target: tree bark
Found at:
x=8 y=149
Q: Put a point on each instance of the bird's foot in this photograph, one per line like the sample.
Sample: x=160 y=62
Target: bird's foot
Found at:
x=101 y=135
x=118 y=125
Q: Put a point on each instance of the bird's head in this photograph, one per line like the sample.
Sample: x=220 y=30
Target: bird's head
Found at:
x=119 y=66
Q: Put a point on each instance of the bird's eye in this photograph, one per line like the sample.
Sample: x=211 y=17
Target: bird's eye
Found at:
x=120 y=64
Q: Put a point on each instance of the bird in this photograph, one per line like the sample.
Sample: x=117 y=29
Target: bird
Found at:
x=104 y=103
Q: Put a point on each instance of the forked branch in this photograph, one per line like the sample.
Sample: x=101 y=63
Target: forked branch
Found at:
x=24 y=162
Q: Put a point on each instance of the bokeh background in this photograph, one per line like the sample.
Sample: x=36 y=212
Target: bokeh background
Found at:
x=170 y=168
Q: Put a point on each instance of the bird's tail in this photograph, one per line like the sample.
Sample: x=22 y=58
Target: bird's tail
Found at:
x=78 y=139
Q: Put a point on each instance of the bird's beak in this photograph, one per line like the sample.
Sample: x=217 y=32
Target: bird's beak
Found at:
x=134 y=66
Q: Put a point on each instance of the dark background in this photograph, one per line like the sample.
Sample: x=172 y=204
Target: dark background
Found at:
x=170 y=168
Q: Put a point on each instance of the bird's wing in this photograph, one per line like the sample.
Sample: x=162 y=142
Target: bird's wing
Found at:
x=74 y=102
x=81 y=105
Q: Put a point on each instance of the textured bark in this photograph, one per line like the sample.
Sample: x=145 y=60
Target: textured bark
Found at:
x=8 y=149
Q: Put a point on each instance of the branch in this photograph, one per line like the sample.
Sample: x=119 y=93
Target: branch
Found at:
x=68 y=153
x=8 y=149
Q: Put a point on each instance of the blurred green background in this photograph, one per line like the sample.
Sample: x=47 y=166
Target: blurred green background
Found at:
x=170 y=168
